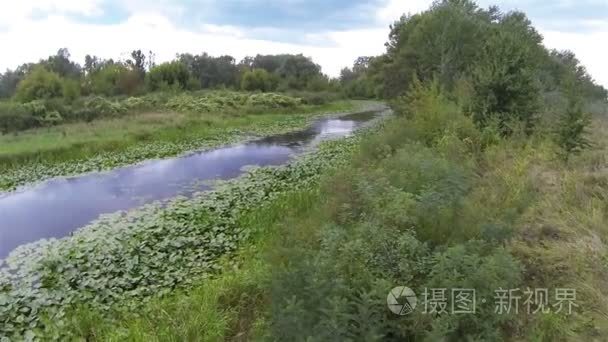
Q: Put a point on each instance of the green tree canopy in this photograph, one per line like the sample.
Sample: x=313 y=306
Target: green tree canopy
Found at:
x=39 y=84
x=259 y=79
x=171 y=74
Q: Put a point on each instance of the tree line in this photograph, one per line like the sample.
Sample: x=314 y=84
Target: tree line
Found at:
x=58 y=76
x=492 y=63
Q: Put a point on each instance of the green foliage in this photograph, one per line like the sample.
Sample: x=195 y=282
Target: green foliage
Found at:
x=15 y=117
x=171 y=75
x=259 y=80
x=572 y=126
x=39 y=84
x=385 y=223
x=272 y=100
x=504 y=82
x=211 y=72
x=130 y=259
x=57 y=155
x=294 y=71
x=112 y=79
x=357 y=82
x=70 y=90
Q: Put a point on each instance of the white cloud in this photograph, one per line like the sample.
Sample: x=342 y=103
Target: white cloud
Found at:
x=589 y=47
x=149 y=28
x=156 y=32
x=19 y=11
x=393 y=9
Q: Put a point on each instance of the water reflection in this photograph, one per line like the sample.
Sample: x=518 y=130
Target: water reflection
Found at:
x=59 y=206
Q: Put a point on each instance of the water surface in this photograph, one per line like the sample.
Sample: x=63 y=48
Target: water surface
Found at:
x=59 y=206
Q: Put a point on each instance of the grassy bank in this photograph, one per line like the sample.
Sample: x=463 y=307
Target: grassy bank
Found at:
x=125 y=260
x=82 y=147
x=449 y=207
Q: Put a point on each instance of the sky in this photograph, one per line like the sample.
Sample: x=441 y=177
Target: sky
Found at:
x=333 y=32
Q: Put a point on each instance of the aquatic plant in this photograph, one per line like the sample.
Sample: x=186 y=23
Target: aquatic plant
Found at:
x=146 y=252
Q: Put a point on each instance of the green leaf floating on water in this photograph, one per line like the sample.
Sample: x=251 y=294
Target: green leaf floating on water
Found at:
x=123 y=259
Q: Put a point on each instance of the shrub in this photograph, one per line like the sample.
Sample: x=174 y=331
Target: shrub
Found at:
x=15 y=117
x=168 y=75
x=70 y=90
x=572 y=126
x=39 y=84
x=110 y=80
x=271 y=100
x=259 y=80
x=504 y=83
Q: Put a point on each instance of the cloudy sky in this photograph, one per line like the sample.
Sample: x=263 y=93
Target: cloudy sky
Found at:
x=333 y=32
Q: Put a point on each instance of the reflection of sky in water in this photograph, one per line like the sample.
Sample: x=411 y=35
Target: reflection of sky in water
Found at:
x=59 y=206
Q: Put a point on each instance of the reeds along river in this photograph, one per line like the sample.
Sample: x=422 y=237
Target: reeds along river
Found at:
x=60 y=206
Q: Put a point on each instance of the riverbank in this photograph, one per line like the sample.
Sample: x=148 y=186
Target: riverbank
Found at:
x=148 y=252
x=73 y=149
x=450 y=208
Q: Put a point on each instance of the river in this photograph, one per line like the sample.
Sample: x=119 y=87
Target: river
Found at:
x=59 y=206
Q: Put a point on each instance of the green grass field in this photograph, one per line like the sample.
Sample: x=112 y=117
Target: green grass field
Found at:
x=75 y=148
x=78 y=140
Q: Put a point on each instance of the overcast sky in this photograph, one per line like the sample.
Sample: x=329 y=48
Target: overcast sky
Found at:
x=333 y=33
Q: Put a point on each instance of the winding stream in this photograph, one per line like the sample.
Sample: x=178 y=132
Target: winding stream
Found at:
x=59 y=206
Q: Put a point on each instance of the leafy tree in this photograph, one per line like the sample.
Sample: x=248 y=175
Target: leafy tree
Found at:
x=297 y=71
x=259 y=79
x=357 y=81
x=558 y=70
x=39 y=84
x=61 y=64
x=443 y=42
x=138 y=62
x=171 y=74
x=211 y=72
x=505 y=82
x=110 y=79
x=91 y=64
x=572 y=125
x=70 y=89
x=9 y=81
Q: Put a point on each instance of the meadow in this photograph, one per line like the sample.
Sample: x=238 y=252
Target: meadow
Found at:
x=457 y=207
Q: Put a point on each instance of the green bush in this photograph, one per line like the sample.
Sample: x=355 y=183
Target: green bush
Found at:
x=39 y=84
x=166 y=76
x=271 y=100
x=15 y=117
x=70 y=90
x=113 y=79
x=316 y=97
x=259 y=80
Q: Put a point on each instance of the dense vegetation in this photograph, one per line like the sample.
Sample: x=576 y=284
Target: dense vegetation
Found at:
x=129 y=132
x=489 y=176
x=58 y=90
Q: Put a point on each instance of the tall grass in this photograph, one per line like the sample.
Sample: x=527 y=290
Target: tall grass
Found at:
x=448 y=207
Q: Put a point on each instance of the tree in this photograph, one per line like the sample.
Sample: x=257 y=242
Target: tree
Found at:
x=505 y=83
x=211 y=72
x=91 y=64
x=572 y=125
x=172 y=74
x=442 y=43
x=138 y=62
x=297 y=71
x=259 y=79
x=61 y=64
x=39 y=84
x=9 y=81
